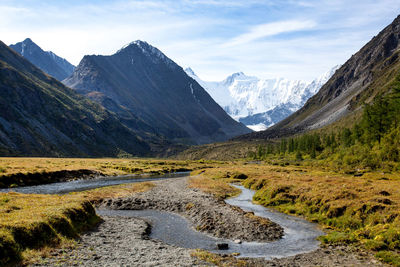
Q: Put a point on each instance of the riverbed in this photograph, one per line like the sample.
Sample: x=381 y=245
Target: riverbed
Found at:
x=87 y=184
x=161 y=232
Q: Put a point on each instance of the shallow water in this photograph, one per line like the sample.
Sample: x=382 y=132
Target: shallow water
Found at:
x=300 y=235
x=81 y=185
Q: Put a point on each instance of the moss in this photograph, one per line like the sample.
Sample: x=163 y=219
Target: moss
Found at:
x=390 y=257
x=337 y=238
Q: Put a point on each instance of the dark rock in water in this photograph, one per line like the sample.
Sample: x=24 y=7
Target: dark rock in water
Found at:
x=222 y=246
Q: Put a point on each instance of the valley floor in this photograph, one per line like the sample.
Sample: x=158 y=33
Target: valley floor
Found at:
x=124 y=241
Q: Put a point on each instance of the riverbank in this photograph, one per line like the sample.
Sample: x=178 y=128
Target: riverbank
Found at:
x=201 y=202
x=31 y=224
x=125 y=241
x=120 y=242
x=16 y=172
x=354 y=211
x=206 y=213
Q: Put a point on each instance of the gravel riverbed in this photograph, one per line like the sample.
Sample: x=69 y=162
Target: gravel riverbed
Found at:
x=124 y=241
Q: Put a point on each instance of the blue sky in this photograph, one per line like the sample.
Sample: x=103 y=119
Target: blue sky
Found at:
x=270 y=38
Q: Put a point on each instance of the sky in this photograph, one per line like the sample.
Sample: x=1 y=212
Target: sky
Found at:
x=264 y=38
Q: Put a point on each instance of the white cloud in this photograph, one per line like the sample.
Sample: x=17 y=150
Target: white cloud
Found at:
x=271 y=29
x=214 y=37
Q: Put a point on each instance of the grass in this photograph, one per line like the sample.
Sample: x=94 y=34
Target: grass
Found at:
x=28 y=168
x=115 y=191
x=107 y=166
x=217 y=187
x=363 y=211
x=36 y=221
x=218 y=260
x=31 y=224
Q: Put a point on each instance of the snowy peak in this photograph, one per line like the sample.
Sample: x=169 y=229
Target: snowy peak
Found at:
x=191 y=73
x=155 y=55
x=249 y=99
x=237 y=77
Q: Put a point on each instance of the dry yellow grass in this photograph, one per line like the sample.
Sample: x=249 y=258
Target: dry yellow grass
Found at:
x=29 y=222
x=96 y=195
x=222 y=261
x=219 y=188
x=32 y=171
x=34 y=221
x=107 y=166
x=362 y=210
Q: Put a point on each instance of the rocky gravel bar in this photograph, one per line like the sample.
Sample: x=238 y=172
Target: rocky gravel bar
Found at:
x=121 y=241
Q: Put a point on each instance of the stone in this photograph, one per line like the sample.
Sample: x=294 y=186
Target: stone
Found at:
x=222 y=246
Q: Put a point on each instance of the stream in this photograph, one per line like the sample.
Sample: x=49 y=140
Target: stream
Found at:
x=299 y=235
x=87 y=184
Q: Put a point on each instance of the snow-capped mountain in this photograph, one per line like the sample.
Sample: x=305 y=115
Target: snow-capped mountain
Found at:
x=261 y=103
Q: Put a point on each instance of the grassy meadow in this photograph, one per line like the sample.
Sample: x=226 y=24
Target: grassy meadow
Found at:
x=360 y=211
x=30 y=224
x=354 y=210
x=25 y=171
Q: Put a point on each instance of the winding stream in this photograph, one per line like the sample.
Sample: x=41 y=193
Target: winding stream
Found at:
x=86 y=184
x=299 y=235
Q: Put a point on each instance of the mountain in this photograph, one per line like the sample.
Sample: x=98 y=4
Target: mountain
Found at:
x=261 y=103
x=364 y=76
x=42 y=117
x=47 y=61
x=139 y=79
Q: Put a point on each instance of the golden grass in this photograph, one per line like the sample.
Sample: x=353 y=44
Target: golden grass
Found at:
x=35 y=221
x=107 y=166
x=361 y=210
x=32 y=171
x=30 y=224
x=21 y=210
x=218 y=260
x=115 y=191
x=217 y=187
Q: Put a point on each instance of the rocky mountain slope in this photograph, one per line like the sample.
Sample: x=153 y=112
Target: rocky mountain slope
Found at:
x=140 y=80
x=47 y=61
x=356 y=82
x=261 y=103
x=41 y=117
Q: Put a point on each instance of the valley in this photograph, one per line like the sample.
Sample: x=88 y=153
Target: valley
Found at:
x=301 y=190
x=121 y=157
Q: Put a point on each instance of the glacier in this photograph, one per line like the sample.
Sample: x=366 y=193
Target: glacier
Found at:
x=260 y=103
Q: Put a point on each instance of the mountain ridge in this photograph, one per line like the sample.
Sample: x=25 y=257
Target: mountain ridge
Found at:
x=261 y=102
x=42 y=117
x=47 y=61
x=141 y=79
x=358 y=81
